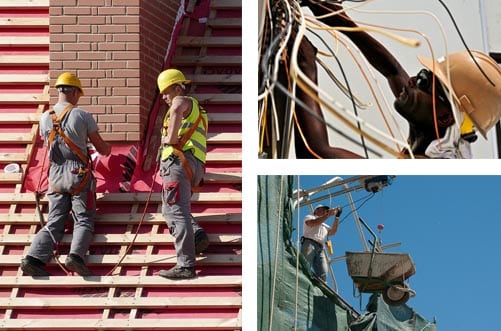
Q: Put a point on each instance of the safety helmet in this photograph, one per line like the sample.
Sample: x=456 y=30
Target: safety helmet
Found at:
x=69 y=79
x=321 y=206
x=473 y=94
x=170 y=77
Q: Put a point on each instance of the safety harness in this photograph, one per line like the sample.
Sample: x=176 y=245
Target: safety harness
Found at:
x=57 y=130
x=177 y=149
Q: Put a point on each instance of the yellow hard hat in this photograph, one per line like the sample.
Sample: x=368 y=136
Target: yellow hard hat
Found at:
x=69 y=79
x=170 y=77
x=472 y=92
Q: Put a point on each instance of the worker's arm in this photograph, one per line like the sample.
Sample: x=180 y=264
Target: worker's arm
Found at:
x=377 y=55
x=179 y=109
x=101 y=146
x=333 y=230
x=321 y=219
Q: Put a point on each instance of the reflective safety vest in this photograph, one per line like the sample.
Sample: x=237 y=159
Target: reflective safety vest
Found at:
x=192 y=133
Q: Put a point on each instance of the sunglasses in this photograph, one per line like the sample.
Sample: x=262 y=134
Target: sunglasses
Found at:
x=424 y=80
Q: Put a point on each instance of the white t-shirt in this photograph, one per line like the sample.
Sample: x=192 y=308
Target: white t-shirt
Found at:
x=317 y=232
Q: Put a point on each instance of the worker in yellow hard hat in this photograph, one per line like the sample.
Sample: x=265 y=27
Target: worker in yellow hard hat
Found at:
x=182 y=166
x=67 y=129
x=424 y=99
x=68 y=79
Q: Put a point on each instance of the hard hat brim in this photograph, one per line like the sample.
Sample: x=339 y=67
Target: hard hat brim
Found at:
x=436 y=68
x=186 y=81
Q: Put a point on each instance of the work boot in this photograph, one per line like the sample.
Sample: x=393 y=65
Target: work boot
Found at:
x=201 y=241
x=75 y=263
x=33 y=267
x=178 y=272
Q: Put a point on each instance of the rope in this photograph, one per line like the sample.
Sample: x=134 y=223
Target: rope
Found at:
x=276 y=256
x=139 y=224
x=297 y=258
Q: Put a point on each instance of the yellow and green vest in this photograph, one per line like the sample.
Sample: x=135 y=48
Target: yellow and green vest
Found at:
x=198 y=140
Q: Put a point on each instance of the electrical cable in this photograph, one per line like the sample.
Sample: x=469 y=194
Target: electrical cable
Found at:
x=464 y=43
x=355 y=110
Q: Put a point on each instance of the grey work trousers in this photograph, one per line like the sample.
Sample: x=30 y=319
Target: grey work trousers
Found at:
x=315 y=255
x=176 y=204
x=83 y=210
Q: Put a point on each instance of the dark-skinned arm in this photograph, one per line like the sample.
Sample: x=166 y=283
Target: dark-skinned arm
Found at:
x=377 y=55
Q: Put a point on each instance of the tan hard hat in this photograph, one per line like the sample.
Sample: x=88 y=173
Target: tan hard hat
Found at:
x=472 y=92
x=69 y=79
x=170 y=77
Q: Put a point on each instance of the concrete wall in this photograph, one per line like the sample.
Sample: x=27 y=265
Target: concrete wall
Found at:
x=117 y=48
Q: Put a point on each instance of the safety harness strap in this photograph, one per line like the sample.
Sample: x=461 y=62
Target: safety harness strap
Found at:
x=178 y=149
x=56 y=129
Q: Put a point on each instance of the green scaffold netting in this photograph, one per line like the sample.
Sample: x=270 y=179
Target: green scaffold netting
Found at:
x=289 y=297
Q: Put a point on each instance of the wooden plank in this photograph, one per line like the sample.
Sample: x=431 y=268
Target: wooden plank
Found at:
x=24 y=60
x=232 y=157
x=211 y=157
x=209 y=41
x=6 y=178
x=14 y=4
x=16 y=137
x=24 y=98
x=118 y=281
x=226 y=4
x=128 y=198
x=127 y=218
x=19 y=118
x=124 y=239
x=223 y=178
x=142 y=260
x=14 y=157
x=24 y=22
x=21 y=79
x=216 y=79
x=220 y=118
x=209 y=60
x=219 y=98
x=124 y=324
x=122 y=302
x=20 y=41
x=225 y=23
x=225 y=138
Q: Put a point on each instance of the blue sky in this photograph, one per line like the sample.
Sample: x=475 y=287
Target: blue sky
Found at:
x=449 y=225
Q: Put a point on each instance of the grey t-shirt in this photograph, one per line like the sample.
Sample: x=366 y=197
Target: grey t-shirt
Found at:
x=77 y=125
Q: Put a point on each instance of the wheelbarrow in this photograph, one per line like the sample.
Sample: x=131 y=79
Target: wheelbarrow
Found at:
x=377 y=272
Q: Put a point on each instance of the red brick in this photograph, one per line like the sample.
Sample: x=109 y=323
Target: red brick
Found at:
x=106 y=11
x=76 y=11
x=91 y=20
x=63 y=56
x=112 y=118
x=63 y=20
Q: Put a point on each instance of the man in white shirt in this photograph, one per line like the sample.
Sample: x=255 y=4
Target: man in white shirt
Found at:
x=315 y=233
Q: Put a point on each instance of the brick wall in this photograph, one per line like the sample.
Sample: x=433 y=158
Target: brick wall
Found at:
x=117 y=49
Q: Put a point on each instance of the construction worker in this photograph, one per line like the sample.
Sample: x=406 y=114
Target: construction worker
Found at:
x=182 y=166
x=476 y=93
x=315 y=234
x=67 y=129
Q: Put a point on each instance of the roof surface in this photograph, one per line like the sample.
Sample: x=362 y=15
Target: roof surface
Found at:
x=131 y=242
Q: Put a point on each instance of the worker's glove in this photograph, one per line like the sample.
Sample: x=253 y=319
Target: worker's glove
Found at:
x=339 y=210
